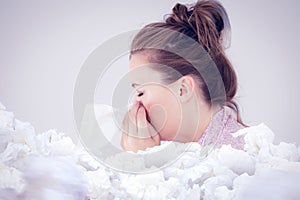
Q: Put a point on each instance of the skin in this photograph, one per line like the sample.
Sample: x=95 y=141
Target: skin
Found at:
x=174 y=112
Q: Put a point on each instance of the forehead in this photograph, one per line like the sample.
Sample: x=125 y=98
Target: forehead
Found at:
x=142 y=71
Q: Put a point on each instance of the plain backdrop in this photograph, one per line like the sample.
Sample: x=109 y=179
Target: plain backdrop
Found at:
x=43 y=45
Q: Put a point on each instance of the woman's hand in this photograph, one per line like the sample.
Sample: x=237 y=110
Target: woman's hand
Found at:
x=137 y=132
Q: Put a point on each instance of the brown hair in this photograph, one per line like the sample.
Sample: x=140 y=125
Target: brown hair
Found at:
x=205 y=23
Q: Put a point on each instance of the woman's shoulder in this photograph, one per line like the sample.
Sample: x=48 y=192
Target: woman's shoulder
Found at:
x=221 y=128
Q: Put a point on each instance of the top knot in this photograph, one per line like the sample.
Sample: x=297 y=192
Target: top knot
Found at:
x=181 y=14
x=206 y=22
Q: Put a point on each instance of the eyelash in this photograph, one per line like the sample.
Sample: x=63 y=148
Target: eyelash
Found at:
x=140 y=94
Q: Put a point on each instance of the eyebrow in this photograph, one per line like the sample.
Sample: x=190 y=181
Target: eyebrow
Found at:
x=134 y=85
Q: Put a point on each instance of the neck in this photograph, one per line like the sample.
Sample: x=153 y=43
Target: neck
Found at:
x=205 y=116
x=195 y=121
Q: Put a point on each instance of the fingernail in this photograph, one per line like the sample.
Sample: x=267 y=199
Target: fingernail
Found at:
x=141 y=109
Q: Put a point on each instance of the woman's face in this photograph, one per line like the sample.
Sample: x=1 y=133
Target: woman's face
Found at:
x=160 y=100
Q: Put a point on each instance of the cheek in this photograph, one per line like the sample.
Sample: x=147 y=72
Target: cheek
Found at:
x=164 y=111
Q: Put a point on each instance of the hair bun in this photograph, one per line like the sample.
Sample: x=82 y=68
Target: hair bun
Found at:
x=180 y=13
x=208 y=21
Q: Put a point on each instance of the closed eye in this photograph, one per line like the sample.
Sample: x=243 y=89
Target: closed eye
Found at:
x=140 y=94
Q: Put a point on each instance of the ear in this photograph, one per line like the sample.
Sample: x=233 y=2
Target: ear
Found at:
x=186 y=88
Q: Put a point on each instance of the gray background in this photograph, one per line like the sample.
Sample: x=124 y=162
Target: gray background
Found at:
x=44 y=44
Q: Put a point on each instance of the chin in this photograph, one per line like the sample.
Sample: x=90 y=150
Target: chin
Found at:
x=167 y=135
x=165 y=138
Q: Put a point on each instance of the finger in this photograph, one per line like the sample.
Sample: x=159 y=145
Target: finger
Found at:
x=145 y=130
x=125 y=124
x=144 y=123
x=123 y=141
x=135 y=107
x=141 y=117
x=131 y=120
x=156 y=139
x=133 y=112
x=132 y=123
x=152 y=131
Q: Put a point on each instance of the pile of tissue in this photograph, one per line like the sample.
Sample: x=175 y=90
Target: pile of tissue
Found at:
x=50 y=166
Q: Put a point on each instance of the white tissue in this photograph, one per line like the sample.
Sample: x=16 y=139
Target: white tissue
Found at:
x=11 y=178
x=50 y=166
x=6 y=119
x=237 y=160
x=53 y=178
x=2 y=107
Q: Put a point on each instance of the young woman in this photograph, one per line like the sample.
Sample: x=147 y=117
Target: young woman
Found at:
x=185 y=85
